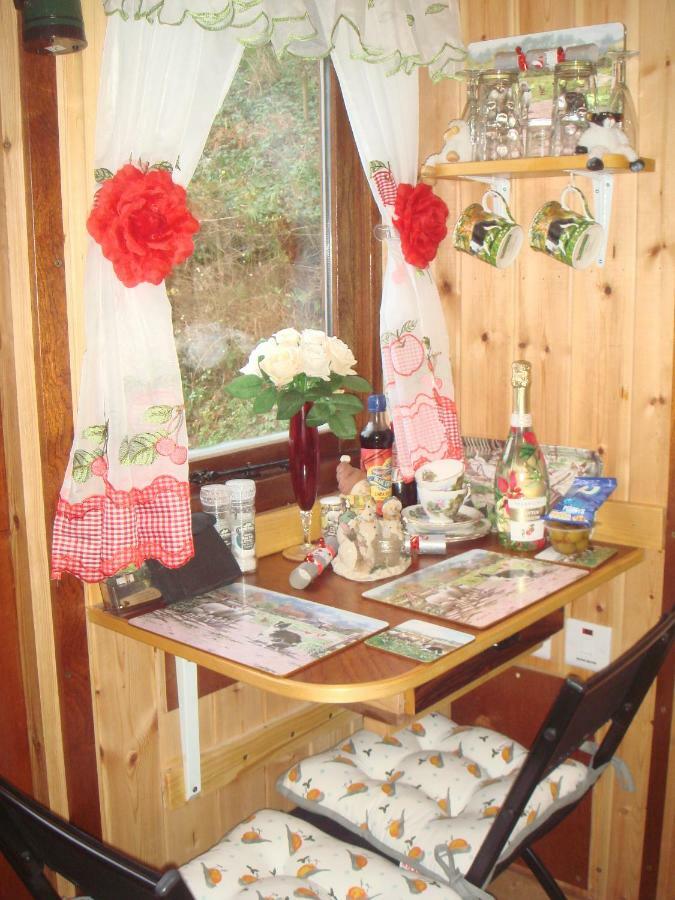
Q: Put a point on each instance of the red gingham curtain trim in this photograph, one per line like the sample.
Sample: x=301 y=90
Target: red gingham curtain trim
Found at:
x=150 y=523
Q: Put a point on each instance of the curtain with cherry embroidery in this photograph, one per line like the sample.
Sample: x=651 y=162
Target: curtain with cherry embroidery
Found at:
x=125 y=495
x=383 y=111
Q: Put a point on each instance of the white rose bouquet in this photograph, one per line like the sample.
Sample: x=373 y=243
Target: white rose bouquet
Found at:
x=296 y=367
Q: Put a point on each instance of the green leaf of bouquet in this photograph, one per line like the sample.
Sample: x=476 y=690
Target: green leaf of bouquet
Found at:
x=317 y=415
x=82 y=461
x=356 y=383
x=347 y=403
x=160 y=414
x=265 y=400
x=290 y=402
x=245 y=387
x=342 y=425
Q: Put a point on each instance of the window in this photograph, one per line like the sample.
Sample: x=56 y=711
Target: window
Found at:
x=286 y=239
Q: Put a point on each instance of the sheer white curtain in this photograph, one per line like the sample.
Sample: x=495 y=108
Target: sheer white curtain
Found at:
x=384 y=112
x=125 y=496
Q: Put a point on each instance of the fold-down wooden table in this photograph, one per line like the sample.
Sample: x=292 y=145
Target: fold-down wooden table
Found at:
x=380 y=685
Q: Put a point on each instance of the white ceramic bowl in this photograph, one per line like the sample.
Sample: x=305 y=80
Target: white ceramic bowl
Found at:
x=441 y=475
x=442 y=506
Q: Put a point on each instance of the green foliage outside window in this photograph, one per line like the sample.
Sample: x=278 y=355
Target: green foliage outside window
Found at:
x=257 y=265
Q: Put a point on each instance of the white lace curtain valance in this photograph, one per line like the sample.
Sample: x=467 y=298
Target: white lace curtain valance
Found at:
x=401 y=36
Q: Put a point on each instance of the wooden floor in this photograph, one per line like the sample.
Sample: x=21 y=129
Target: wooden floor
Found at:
x=516 y=885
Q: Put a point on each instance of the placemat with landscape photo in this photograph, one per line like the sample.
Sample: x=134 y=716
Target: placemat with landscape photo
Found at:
x=259 y=628
x=476 y=588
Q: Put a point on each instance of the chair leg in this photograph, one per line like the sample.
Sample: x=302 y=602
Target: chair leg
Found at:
x=542 y=874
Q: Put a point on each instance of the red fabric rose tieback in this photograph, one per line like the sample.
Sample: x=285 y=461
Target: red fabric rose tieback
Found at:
x=419 y=217
x=141 y=220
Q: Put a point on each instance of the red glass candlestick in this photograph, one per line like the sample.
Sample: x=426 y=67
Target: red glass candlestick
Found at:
x=303 y=460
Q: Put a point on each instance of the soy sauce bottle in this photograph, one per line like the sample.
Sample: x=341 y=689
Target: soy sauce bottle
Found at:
x=376 y=441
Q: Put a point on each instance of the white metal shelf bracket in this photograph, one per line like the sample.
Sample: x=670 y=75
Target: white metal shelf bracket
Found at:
x=499 y=183
x=603 y=190
x=188 y=708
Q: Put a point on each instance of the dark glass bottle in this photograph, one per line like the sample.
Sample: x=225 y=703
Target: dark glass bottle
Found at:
x=406 y=491
x=376 y=441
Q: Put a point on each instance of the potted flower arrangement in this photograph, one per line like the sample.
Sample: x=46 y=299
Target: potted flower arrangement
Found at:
x=306 y=375
x=292 y=369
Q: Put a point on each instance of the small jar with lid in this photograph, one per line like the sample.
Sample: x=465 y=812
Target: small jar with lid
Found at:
x=499 y=129
x=538 y=137
x=242 y=511
x=574 y=99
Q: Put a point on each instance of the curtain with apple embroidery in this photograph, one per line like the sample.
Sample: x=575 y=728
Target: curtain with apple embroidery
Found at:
x=384 y=111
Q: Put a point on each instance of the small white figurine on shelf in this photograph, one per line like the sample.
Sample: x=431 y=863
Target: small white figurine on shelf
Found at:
x=599 y=140
x=457 y=144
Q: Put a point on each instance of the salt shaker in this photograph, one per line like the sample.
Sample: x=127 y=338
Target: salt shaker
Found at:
x=215 y=500
x=242 y=510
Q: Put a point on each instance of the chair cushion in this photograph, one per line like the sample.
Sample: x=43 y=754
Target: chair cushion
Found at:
x=429 y=790
x=274 y=856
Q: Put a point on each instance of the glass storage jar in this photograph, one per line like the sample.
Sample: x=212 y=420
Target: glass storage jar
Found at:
x=499 y=117
x=574 y=98
x=538 y=137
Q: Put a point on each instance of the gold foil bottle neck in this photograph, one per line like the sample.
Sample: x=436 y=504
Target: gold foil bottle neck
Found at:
x=520 y=373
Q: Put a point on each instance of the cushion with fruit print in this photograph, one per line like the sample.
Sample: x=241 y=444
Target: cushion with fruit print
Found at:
x=427 y=794
x=274 y=856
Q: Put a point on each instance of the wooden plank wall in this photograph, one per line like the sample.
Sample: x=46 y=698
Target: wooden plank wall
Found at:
x=601 y=346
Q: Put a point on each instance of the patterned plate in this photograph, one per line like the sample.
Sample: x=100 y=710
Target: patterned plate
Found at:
x=470 y=523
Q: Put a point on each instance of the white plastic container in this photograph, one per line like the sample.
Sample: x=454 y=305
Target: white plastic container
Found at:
x=215 y=500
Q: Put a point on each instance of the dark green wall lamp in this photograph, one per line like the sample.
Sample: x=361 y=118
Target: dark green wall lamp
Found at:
x=52 y=26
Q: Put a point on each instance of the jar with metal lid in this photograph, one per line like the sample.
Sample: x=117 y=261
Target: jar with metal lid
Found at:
x=574 y=98
x=499 y=128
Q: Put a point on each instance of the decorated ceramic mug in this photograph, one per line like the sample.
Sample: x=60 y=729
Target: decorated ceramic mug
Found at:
x=570 y=237
x=482 y=233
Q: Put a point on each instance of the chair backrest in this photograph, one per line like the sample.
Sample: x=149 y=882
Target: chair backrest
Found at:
x=32 y=837
x=582 y=707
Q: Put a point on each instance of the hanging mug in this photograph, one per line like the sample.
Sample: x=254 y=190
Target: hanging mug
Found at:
x=566 y=235
x=482 y=233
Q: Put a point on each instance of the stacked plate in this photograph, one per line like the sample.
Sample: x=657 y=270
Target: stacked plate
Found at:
x=469 y=524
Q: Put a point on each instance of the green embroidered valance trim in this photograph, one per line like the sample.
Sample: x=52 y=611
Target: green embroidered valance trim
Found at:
x=381 y=33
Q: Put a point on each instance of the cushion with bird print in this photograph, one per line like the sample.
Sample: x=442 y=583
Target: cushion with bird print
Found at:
x=427 y=794
x=275 y=856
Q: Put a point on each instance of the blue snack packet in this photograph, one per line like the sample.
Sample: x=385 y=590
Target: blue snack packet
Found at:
x=581 y=502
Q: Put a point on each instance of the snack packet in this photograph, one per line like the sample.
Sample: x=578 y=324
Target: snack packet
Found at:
x=582 y=501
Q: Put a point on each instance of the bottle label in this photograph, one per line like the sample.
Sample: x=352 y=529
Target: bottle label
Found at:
x=521 y=420
x=526 y=521
x=377 y=466
x=244 y=537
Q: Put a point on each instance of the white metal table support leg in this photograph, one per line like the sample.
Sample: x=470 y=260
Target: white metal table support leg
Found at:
x=188 y=707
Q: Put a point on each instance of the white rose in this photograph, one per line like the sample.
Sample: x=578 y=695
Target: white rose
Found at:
x=281 y=364
x=341 y=357
x=315 y=361
x=314 y=337
x=261 y=349
x=287 y=336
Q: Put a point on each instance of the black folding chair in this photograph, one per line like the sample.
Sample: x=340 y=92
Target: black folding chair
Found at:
x=32 y=838
x=580 y=710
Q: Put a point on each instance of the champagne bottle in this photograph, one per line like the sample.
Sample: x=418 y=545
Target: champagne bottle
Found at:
x=521 y=479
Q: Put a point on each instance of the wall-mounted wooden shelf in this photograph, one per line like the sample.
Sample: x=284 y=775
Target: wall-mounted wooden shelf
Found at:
x=529 y=167
x=498 y=174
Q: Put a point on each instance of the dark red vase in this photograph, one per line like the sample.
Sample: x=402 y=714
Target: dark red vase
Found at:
x=303 y=458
